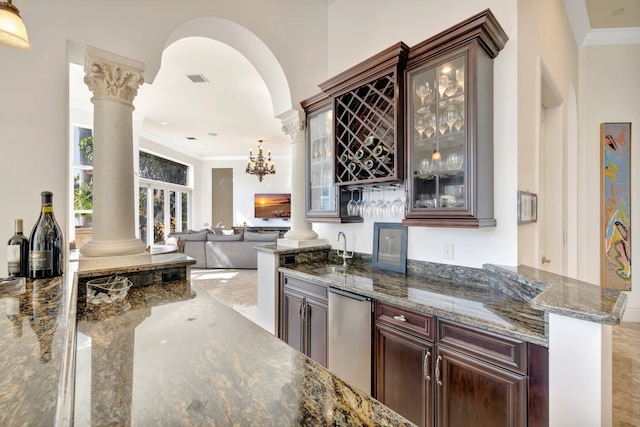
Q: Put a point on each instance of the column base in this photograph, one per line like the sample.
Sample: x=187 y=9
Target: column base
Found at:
x=108 y=262
x=290 y=243
x=298 y=234
x=109 y=248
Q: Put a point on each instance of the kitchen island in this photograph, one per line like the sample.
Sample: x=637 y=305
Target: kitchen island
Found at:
x=176 y=356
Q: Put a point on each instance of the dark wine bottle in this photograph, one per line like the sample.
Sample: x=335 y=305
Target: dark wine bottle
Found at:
x=18 y=253
x=45 y=246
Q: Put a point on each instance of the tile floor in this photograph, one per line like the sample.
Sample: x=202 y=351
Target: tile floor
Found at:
x=238 y=289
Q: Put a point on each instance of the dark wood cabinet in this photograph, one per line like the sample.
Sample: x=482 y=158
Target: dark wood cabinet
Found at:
x=303 y=317
x=402 y=380
x=449 y=125
x=440 y=373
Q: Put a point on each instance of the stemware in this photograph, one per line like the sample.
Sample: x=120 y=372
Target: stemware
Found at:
x=452 y=88
x=460 y=122
x=442 y=125
x=460 y=77
x=422 y=91
x=431 y=122
x=397 y=207
x=454 y=161
x=451 y=115
x=352 y=207
x=420 y=126
x=443 y=83
x=328 y=148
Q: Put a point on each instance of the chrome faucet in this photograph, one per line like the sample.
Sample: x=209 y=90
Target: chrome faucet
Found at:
x=343 y=254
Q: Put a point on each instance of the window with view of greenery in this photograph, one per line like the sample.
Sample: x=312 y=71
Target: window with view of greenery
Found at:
x=160 y=169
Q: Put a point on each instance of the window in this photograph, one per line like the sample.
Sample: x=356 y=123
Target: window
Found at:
x=82 y=184
x=164 y=197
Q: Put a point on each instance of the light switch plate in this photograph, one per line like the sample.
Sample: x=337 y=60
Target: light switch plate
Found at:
x=447 y=251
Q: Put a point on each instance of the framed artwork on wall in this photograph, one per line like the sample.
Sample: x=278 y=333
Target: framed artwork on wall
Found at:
x=389 y=246
x=527 y=207
x=615 y=205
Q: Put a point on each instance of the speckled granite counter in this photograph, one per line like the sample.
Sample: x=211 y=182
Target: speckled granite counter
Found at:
x=198 y=362
x=509 y=301
x=175 y=356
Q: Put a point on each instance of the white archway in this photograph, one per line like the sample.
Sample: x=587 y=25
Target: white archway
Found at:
x=249 y=45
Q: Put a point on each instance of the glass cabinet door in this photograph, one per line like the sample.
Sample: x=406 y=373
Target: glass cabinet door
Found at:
x=437 y=137
x=320 y=161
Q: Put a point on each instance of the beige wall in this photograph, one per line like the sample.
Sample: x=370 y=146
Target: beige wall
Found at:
x=610 y=93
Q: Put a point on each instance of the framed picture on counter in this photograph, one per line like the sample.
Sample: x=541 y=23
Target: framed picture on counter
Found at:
x=389 y=246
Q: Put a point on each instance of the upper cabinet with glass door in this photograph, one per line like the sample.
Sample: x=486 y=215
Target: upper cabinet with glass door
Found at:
x=449 y=125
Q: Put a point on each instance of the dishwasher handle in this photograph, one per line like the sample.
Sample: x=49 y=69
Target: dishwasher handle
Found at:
x=349 y=294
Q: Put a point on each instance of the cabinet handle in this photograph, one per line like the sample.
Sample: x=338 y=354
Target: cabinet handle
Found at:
x=438 y=370
x=300 y=310
x=425 y=366
x=400 y=318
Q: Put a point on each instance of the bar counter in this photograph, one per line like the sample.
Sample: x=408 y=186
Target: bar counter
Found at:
x=172 y=356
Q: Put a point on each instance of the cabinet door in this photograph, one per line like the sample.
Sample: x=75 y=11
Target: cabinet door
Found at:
x=291 y=318
x=321 y=191
x=470 y=392
x=403 y=379
x=316 y=317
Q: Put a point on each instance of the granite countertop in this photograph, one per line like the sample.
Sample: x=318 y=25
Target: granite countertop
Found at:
x=469 y=302
x=196 y=361
x=169 y=354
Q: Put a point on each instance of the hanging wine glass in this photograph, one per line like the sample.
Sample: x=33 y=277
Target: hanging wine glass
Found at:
x=420 y=126
x=352 y=207
x=451 y=116
x=443 y=84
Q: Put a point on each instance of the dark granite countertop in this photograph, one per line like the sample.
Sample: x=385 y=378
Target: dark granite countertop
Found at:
x=169 y=354
x=465 y=301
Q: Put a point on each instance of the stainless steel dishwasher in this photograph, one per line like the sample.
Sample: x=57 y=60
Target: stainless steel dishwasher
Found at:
x=350 y=338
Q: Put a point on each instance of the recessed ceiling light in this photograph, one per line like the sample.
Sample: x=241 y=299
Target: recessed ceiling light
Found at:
x=618 y=11
x=212 y=134
x=164 y=123
x=191 y=138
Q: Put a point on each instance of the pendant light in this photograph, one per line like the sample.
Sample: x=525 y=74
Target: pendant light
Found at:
x=13 y=33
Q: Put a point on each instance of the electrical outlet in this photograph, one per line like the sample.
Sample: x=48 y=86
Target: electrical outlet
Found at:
x=447 y=251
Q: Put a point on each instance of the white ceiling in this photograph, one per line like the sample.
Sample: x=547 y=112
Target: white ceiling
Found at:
x=235 y=104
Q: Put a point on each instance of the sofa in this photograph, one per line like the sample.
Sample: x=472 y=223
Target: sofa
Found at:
x=213 y=249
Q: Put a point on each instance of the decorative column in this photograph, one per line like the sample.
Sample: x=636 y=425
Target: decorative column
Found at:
x=301 y=233
x=114 y=81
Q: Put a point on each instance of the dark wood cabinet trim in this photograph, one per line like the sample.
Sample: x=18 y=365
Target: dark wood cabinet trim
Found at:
x=503 y=351
x=538 y=397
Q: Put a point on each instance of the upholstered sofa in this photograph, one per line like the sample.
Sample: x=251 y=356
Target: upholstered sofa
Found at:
x=216 y=250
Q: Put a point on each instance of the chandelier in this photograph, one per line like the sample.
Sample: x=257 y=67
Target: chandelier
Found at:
x=259 y=165
x=12 y=30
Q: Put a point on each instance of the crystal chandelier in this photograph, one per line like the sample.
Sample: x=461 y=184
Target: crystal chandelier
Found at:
x=259 y=165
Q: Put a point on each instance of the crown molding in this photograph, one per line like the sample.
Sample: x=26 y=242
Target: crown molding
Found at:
x=613 y=36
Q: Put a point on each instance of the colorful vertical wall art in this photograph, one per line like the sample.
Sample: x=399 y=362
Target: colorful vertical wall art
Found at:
x=615 y=140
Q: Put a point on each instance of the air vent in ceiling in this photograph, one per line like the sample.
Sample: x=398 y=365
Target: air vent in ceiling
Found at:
x=197 y=78
x=191 y=138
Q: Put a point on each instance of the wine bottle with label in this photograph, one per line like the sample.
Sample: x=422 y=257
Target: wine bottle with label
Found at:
x=18 y=253
x=45 y=246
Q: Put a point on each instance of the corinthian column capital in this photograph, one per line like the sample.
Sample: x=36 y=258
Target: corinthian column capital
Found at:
x=112 y=76
x=293 y=125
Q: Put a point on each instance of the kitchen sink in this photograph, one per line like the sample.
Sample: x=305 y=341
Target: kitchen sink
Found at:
x=330 y=269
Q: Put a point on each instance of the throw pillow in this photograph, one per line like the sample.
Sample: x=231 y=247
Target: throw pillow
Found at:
x=260 y=237
x=228 y=232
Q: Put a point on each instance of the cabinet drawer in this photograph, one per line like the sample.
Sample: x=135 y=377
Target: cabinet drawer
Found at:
x=418 y=324
x=310 y=289
x=506 y=352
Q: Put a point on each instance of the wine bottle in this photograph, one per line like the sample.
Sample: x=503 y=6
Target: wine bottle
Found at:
x=18 y=253
x=45 y=246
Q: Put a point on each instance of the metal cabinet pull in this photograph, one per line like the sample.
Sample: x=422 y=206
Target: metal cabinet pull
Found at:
x=300 y=310
x=438 y=370
x=425 y=366
x=400 y=318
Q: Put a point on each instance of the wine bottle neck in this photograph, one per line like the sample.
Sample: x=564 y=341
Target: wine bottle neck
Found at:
x=18 y=226
x=47 y=208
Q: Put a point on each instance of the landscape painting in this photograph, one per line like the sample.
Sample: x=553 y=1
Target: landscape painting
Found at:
x=615 y=139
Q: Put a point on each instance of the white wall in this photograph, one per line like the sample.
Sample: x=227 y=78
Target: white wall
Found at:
x=34 y=124
x=611 y=94
x=244 y=188
x=380 y=24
